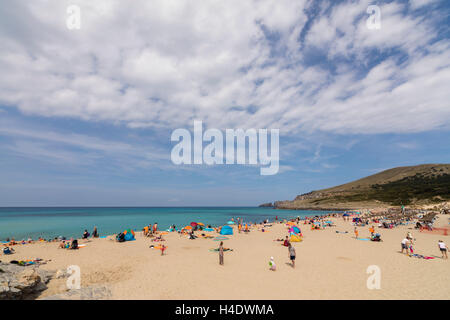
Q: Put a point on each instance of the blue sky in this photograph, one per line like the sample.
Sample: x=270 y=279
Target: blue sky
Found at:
x=86 y=115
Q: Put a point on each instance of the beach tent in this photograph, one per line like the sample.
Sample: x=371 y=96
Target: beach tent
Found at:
x=129 y=235
x=226 y=230
x=295 y=238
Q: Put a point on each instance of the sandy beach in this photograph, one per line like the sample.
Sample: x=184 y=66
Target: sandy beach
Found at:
x=329 y=265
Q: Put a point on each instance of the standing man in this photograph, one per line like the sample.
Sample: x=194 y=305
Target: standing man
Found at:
x=221 y=253
x=443 y=248
x=405 y=245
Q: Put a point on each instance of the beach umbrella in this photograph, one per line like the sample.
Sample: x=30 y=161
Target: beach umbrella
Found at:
x=294 y=229
x=200 y=224
x=187 y=228
x=230 y=222
x=194 y=224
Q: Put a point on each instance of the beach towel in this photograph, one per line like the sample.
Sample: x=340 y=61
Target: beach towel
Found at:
x=363 y=239
x=224 y=249
x=220 y=238
x=421 y=256
x=158 y=247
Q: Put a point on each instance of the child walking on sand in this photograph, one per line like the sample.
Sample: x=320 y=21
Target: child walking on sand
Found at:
x=356 y=233
x=292 y=254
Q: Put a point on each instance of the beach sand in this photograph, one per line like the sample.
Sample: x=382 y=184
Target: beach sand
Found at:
x=328 y=266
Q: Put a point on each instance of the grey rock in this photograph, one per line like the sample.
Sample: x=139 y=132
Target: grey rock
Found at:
x=19 y=282
x=87 y=293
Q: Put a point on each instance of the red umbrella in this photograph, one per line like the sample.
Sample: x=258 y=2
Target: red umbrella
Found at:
x=193 y=224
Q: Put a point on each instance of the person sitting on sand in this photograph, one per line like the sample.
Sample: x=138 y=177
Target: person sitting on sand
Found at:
x=443 y=248
x=85 y=234
x=95 y=233
x=286 y=242
x=8 y=250
x=150 y=231
x=74 y=244
x=62 y=245
x=158 y=238
x=272 y=265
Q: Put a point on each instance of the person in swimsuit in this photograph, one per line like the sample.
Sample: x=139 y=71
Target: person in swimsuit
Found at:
x=286 y=242
x=95 y=233
x=221 y=253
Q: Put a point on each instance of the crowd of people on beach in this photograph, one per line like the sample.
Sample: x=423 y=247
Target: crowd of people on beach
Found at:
x=317 y=222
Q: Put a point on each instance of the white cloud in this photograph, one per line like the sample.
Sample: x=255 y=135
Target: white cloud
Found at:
x=415 y=4
x=165 y=63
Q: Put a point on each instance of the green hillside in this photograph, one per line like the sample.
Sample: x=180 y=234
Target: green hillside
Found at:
x=423 y=184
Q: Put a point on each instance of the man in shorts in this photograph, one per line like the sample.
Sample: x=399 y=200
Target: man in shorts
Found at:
x=405 y=245
x=443 y=248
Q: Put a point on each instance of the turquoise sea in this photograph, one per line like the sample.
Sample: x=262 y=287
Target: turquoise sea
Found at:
x=22 y=223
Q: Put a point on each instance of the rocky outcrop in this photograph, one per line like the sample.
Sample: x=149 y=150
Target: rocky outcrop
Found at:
x=19 y=282
x=266 y=205
x=88 y=293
